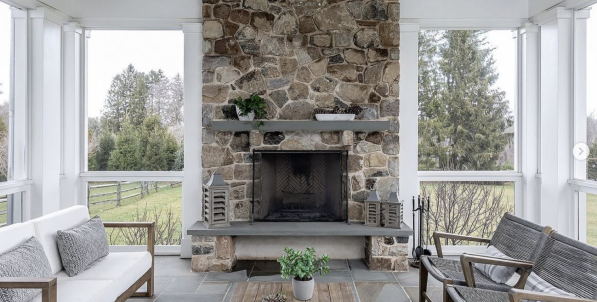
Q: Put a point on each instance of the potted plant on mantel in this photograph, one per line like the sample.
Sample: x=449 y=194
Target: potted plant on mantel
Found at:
x=301 y=266
x=249 y=108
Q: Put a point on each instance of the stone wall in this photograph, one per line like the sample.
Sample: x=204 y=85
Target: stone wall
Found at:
x=302 y=55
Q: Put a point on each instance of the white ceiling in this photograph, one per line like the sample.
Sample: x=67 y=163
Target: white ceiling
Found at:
x=142 y=9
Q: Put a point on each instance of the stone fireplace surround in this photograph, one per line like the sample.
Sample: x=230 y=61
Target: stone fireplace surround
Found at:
x=301 y=55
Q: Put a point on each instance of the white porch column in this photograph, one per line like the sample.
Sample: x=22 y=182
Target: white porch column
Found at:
x=557 y=207
x=71 y=100
x=580 y=118
x=529 y=123
x=45 y=97
x=192 y=184
x=409 y=117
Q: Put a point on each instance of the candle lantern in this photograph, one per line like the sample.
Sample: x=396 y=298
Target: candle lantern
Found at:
x=216 y=194
x=393 y=210
x=373 y=209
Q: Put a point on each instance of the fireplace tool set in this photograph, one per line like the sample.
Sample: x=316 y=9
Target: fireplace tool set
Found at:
x=419 y=251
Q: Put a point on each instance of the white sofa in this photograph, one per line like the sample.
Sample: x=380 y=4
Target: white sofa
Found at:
x=114 y=278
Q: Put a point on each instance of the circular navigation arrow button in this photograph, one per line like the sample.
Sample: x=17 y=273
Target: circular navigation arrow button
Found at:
x=580 y=151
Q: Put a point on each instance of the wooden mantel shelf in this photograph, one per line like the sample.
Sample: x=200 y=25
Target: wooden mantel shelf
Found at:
x=300 y=125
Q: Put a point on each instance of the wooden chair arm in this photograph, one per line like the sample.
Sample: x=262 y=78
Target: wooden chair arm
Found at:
x=518 y=295
x=150 y=231
x=437 y=236
x=467 y=261
x=48 y=286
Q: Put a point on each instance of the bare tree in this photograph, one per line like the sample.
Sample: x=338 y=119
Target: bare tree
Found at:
x=466 y=208
x=167 y=231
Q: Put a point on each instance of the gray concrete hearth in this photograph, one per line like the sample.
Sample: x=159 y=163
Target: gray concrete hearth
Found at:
x=218 y=249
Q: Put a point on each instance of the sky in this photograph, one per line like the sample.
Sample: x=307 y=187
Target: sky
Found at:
x=505 y=58
x=5 y=36
x=111 y=51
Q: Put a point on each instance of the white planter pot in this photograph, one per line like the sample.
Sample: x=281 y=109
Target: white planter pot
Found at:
x=249 y=117
x=303 y=290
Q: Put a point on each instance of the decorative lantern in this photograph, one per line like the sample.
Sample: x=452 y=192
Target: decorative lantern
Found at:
x=373 y=209
x=216 y=193
x=393 y=215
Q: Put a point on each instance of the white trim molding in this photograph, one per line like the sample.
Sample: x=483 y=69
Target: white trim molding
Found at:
x=132 y=176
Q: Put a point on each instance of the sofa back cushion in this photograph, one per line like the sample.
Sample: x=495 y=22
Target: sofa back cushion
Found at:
x=14 y=235
x=26 y=260
x=83 y=245
x=47 y=227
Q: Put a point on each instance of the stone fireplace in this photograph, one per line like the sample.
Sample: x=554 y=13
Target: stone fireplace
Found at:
x=303 y=186
x=301 y=55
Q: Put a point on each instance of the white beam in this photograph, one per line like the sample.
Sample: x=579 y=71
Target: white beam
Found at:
x=45 y=93
x=557 y=208
x=192 y=184
x=529 y=123
x=71 y=77
x=409 y=106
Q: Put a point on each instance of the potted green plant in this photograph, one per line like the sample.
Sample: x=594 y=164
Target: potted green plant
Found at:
x=301 y=266
x=249 y=108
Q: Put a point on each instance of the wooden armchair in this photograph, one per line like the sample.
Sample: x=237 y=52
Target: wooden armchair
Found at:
x=515 y=237
x=565 y=263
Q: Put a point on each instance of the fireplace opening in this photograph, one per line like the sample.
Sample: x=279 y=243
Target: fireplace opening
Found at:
x=302 y=186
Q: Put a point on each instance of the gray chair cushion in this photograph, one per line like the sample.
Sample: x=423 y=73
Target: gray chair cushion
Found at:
x=469 y=294
x=498 y=273
x=82 y=246
x=442 y=269
x=26 y=260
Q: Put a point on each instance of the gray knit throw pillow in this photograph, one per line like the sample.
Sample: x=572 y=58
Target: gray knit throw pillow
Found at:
x=26 y=260
x=81 y=246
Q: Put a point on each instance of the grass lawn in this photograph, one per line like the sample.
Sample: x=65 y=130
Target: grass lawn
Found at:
x=3 y=206
x=591 y=219
x=133 y=209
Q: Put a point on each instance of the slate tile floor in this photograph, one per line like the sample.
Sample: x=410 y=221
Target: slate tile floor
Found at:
x=175 y=282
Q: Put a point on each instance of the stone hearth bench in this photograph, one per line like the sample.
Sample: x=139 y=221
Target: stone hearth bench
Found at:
x=385 y=249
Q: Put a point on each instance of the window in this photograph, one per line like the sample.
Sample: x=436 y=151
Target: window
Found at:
x=591 y=97
x=5 y=93
x=467 y=129
x=467 y=100
x=139 y=201
x=135 y=123
x=135 y=101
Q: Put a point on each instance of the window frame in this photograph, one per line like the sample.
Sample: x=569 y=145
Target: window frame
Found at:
x=515 y=176
x=93 y=176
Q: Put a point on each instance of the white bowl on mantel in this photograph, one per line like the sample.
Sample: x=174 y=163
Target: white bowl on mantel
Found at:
x=334 y=117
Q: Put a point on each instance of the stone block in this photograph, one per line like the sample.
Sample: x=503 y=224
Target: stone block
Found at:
x=298 y=91
x=263 y=21
x=297 y=111
x=258 y=5
x=246 y=33
x=342 y=39
x=330 y=137
x=307 y=25
x=288 y=66
x=240 y=142
x=203 y=249
x=389 y=34
x=221 y=11
x=321 y=40
x=353 y=93
x=240 y=16
x=213 y=62
x=355 y=163
x=391 y=144
x=324 y=84
x=224 y=247
x=273 y=45
x=366 y=38
x=212 y=29
x=287 y=24
x=245 y=171
x=379 y=263
x=354 y=56
x=304 y=75
x=334 y=17
x=394 y=166
x=273 y=138
x=251 y=82
x=216 y=156
x=307 y=55
x=375 y=160
x=347 y=138
x=344 y=72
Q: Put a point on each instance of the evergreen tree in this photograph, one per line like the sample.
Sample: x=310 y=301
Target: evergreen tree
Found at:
x=462 y=119
x=170 y=149
x=176 y=104
x=159 y=93
x=104 y=149
x=179 y=161
x=125 y=156
x=155 y=159
x=126 y=100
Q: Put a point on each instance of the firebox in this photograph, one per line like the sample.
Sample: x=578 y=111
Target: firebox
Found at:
x=300 y=186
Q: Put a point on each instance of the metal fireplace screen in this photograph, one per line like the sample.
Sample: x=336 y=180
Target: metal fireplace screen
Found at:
x=299 y=185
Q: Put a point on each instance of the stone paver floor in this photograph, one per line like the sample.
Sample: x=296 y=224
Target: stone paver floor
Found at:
x=175 y=281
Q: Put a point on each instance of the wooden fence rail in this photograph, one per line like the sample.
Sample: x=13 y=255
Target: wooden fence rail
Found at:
x=143 y=187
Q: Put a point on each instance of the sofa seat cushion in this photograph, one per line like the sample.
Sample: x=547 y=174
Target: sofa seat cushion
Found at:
x=123 y=268
x=84 y=291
